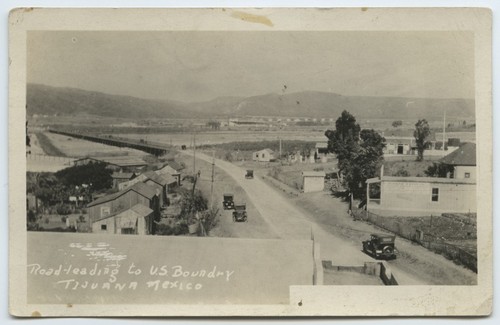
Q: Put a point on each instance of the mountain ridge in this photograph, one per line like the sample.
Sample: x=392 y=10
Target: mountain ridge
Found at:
x=48 y=100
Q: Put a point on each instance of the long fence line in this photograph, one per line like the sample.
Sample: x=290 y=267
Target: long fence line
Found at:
x=450 y=251
x=153 y=149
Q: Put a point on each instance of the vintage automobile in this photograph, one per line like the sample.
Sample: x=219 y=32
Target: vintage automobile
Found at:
x=380 y=246
x=249 y=174
x=228 y=202
x=240 y=213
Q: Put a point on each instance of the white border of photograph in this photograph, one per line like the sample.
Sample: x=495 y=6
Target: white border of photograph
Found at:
x=316 y=301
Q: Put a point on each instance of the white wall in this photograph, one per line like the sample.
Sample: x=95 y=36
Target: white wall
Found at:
x=415 y=199
x=313 y=183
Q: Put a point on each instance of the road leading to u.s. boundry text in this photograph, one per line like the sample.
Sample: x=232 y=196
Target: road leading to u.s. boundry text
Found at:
x=288 y=222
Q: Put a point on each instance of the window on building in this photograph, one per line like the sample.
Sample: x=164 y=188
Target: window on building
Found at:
x=263 y=155
x=104 y=227
x=467 y=175
x=435 y=194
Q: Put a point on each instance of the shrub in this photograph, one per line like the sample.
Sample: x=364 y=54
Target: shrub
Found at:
x=402 y=172
x=164 y=230
x=63 y=209
x=63 y=219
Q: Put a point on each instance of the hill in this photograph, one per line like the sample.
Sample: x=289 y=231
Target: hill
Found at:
x=67 y=101
x=48 y=100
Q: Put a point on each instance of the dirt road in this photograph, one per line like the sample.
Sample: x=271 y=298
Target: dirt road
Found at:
x=286 y=221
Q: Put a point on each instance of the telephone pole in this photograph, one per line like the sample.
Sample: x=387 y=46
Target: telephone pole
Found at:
x=444 y=128
x=212 y=185
x=194 y=153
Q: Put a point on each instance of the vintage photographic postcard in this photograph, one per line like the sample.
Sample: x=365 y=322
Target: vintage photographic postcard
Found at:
x=250 y=162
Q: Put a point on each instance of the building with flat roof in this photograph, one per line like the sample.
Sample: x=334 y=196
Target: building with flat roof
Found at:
x=420 y=196
x=313 y=181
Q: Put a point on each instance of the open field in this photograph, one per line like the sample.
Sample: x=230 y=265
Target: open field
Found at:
x=46 y=144
x=217 y=137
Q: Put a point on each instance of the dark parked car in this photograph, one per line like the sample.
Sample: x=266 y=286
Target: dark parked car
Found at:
x=380 y=246
x=240 y=213
x=228 y=203
x=249 y=174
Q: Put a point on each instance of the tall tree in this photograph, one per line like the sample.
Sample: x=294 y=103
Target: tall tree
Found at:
x=421 y=133
x=93 y=173
x=359 y=153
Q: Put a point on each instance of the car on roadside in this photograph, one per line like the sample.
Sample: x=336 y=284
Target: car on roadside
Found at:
x=228 y=202
x=240 y=213
x=381 y=246
x=249 y=174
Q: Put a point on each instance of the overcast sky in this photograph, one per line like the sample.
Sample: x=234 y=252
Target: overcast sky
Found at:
x=198 y=66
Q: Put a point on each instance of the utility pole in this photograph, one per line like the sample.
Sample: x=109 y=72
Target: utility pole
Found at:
x=212 y=186
x=280 y=149
x=194 y=153
x=444 y=128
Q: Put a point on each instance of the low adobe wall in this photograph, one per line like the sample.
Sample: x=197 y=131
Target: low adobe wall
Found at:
x=378 y=269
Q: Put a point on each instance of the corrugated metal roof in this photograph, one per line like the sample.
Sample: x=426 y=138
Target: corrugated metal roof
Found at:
x=155 y=178
x=144 y=190
x=140 y=188
x=465 y=155
x=167 y=170
x=122 y=175
x=175 y=165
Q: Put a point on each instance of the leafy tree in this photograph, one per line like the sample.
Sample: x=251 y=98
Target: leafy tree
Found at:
x=439 y=170
x=397 y=123
x=214 y=125
x=190 y=203
x=46 y=187
x=31 y=216
x=421 y=133
x=93 y=173
x=359 y=153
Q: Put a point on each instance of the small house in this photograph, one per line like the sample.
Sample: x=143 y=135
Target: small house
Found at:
x=115 y=203
x=168 y=172
x=158 y=182
x=138 y=220
x=264 y=155
x=121 y=177
x=313 y=181
x=462 y=161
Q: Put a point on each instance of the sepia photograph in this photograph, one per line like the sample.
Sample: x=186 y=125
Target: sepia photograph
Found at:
x=251 y=162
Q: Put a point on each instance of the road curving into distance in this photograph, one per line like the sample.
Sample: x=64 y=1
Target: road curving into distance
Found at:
x=289 y=222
